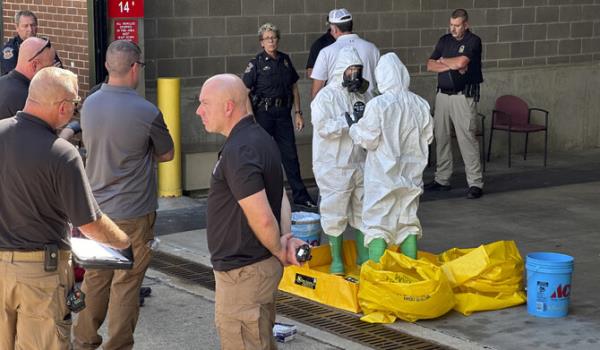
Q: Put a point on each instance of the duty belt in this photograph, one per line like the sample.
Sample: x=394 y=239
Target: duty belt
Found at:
x=450 y=91
x=267 y=102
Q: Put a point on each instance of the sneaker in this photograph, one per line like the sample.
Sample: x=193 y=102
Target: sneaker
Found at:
x=309 y=204
x=474 y=192
x=435 y=186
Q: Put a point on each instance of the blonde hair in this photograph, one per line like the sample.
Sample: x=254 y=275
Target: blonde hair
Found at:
x=52 y=84
x=268 y=27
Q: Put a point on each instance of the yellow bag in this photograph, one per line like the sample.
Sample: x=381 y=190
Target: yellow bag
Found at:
x=313 y=280
x=400 y=287
x=489 y=277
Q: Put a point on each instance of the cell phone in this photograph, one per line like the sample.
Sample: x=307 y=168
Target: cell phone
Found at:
x=50 y=257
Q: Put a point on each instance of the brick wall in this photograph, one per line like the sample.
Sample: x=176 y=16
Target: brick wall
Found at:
x=65 y=22
x=197 y=38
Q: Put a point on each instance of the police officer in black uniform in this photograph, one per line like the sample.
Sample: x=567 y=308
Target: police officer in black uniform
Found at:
x=457 y=60
x=271 y=78
x=26 y=25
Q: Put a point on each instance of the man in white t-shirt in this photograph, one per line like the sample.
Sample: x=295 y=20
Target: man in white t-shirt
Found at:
x=340 y=22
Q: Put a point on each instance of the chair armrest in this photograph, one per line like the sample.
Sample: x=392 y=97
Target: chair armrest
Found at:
x=495 y=112
x=546 y=113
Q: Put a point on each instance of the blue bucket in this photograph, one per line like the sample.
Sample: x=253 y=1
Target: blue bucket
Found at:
x=307 y=227
x=548 y=284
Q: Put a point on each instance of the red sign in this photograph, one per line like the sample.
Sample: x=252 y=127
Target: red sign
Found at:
x=125 y=8
x=126 y=30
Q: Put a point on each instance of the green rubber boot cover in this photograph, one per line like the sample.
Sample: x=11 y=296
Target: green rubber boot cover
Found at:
x=376 y=249
x=362 y=252
x=409 y=246
x=337 y=263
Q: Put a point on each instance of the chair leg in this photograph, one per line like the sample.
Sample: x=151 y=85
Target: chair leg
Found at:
x=482 y=147
x=489 y=150
x=526 y=139
x=545 y=146
x=509 y=148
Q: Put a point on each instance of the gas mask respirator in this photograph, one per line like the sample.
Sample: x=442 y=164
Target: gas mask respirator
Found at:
x=354 y=81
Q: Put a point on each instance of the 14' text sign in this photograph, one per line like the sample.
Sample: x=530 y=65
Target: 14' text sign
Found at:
x=125 y=8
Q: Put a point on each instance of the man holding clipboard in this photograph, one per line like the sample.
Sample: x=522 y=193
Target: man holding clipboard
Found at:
x=43 y=187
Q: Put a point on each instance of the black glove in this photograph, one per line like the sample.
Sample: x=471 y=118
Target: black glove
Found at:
x=350 y=120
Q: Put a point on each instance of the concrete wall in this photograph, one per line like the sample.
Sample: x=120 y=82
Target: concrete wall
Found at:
x=542 y=50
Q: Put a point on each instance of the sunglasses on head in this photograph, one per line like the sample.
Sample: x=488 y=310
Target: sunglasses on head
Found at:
x=46 y=46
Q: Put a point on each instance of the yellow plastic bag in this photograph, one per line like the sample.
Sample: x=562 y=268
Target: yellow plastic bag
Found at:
x=313 y=280
x=400 y=287
x=489 y=277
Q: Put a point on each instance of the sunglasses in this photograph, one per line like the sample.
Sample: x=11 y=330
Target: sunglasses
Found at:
x=46 y=46
x=143 y=64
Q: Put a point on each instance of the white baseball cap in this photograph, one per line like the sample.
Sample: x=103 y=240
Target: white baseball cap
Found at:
x=339 y=16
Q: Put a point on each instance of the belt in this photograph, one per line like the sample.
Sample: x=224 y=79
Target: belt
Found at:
x=450 y=91
x=32 y=256
x=273 y=102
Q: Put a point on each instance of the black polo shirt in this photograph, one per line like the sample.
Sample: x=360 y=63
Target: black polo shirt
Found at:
x=43 y=186
x=248 y=163
x=448 y=47
x=270 y=77
x=322 y=42
x=14 y=88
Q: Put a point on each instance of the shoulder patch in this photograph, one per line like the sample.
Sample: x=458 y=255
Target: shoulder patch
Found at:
x=249 y=68
x=8 y=53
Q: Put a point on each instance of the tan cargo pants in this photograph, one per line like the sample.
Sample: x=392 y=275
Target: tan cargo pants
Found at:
x=115 y=292
x=245 y=305
x=461 y=112
x=33 y=310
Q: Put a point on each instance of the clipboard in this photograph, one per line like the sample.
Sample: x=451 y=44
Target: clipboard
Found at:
x=93 y=255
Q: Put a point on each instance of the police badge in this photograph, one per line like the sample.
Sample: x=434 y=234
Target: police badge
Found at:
x=7 y=53
x=461 y=49
x=249 y=67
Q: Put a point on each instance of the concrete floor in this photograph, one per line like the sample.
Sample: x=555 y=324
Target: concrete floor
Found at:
x=542 y=209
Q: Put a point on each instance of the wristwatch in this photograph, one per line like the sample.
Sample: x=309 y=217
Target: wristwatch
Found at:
x=299 y=112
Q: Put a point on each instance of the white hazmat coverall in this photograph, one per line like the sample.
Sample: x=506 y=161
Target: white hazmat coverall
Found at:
x=396 y=130
x=337 y=162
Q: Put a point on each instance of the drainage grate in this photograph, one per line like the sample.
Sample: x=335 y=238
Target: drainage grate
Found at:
x=322 y=317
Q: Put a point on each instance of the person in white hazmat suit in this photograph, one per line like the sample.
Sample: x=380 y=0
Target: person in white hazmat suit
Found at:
x=338 y=164
x=396 y=130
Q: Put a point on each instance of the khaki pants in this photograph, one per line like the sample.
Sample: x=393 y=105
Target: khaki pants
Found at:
x=245 y=305
x=115 y=292
x=33 y=310
x=461 y=112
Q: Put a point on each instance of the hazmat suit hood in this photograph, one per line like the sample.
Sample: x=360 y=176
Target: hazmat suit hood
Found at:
x=391 y=74
x=348 y=56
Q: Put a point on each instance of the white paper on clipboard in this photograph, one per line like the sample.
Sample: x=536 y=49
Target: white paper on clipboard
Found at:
x=92 y=254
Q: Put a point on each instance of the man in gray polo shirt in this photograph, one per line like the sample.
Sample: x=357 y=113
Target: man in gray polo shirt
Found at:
x=125 y=136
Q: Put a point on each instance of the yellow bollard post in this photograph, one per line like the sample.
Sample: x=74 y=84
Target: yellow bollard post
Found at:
x=169 y=173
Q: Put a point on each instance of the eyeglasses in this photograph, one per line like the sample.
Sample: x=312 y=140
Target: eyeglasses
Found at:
x=143 y=64
x=270 y=38
x=75 y=101
x=39 y=52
